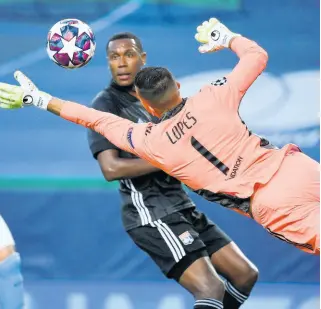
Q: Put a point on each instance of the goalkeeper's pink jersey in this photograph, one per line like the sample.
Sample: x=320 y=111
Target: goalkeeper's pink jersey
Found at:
x=205 y=145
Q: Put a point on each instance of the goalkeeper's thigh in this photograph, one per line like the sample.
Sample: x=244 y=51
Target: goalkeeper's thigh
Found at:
x=11 y=283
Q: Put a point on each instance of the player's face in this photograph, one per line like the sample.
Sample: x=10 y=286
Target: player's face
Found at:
x=125 y=60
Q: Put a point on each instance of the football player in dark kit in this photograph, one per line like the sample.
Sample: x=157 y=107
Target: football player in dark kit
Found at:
x=157 y=213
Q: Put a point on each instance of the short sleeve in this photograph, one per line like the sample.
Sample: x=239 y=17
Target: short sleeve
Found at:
x=97 y=142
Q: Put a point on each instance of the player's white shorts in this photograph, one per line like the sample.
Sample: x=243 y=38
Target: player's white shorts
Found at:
x=6 y=238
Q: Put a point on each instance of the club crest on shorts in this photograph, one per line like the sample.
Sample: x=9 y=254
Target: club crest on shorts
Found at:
x=186 y=238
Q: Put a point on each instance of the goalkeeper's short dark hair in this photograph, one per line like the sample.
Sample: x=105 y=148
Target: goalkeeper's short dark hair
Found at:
x=154 y=82
x=126 y=35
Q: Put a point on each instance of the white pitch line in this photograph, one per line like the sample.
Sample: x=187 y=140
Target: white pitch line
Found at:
x=98 y=25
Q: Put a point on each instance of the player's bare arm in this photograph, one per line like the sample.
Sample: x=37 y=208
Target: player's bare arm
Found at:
x=113 y=167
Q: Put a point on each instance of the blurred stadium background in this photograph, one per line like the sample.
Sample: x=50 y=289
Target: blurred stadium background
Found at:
x=65 y=217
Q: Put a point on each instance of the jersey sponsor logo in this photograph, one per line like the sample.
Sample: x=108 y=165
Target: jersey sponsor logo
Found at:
x=236 y=168
x=283 y=108
x=186 y=238
x=176 y=133
x=129 y=137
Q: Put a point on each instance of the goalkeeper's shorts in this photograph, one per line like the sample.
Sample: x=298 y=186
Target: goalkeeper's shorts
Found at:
x=288 y=206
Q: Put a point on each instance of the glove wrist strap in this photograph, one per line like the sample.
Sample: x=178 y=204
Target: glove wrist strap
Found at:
x=228 y=38
x=43 y=100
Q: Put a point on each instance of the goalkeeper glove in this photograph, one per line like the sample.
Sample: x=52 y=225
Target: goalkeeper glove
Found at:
x=214 y=36
x=27 y=94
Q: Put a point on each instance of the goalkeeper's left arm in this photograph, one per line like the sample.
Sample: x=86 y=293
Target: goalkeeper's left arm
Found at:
x=121 y=132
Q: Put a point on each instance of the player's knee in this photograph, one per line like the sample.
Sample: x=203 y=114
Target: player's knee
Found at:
x=210 y=287
x=247 y=280
x=252 y=276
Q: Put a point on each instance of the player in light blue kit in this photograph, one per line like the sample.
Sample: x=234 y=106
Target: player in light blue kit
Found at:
x=11 y=281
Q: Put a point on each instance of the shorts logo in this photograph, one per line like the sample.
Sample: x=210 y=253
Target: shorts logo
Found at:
x=129 y=137
x=186 y=238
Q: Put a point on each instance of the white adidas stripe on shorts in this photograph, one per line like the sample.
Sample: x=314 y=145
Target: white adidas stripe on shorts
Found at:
x=167 y=234
x=170 y=239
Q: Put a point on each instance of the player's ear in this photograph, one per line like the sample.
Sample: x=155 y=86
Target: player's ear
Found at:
x=178 y=85
x=145 y=104
x=143 y=57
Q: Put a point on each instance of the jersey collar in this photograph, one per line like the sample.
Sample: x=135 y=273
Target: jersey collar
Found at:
x=174 y=111
x=124 y=89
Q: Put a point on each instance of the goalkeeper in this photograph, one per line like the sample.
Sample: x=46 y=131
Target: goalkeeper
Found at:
x=203 y=142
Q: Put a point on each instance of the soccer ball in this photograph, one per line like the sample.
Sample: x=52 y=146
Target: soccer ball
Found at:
x=71 y=43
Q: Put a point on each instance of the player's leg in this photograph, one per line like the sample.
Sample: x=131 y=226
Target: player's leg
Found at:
x=288 y=206
x=11 y=287
x=179 y=252
x=240 y=274
x=197 y=275
x=229 y=261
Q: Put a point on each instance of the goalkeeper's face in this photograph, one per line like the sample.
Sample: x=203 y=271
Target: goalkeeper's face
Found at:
x=125 y=60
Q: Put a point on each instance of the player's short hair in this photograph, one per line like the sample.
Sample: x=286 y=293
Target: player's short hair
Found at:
x=154 y=82
x=126 y=35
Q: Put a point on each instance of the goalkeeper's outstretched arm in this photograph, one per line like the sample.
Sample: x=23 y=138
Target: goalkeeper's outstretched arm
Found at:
x=121 y=132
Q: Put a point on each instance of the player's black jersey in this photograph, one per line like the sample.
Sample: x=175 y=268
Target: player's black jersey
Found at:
x=146 y=198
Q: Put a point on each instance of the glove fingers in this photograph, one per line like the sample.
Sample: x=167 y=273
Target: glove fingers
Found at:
x=204 y=29
x=4 y=105
x=205 y=48
x=202 y=37
x=200 y=28
x=8 y=88
x=213 y=21
x=5 y=95
x=24 y=81
x=205 y=23
x=8 y=104
x=208 y=48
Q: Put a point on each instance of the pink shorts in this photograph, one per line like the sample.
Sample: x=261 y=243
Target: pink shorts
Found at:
x=288 y=206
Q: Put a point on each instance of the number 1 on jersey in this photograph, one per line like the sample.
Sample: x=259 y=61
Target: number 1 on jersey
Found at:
x=209 y=156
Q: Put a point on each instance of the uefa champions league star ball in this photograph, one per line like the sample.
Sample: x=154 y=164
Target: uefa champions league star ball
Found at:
x=71 y=43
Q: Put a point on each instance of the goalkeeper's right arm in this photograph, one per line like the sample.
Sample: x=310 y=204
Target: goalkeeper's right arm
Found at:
x=123 y=133
x=114 y=128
